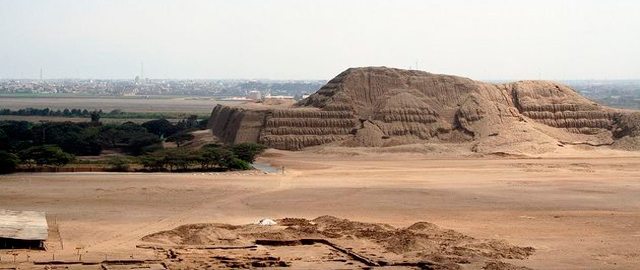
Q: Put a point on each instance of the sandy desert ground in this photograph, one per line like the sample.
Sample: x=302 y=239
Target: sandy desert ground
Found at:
x=578 y=213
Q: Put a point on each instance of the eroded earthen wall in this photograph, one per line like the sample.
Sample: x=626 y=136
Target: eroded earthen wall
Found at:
x=235 y=125
x=378 y=105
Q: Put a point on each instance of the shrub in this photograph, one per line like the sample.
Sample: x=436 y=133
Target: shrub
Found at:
x=119 y=164
x=210 y=145
x=8 y=162
x=238 y=164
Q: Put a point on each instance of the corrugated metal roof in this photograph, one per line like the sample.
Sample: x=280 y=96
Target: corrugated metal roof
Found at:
x=23 y=225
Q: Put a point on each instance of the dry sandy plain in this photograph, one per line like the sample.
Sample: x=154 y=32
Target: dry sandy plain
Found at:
x=578 y=213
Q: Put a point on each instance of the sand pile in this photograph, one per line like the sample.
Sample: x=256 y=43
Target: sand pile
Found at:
x=419 y=243
x=199 y=234
x=421 y=238
x=379 y=106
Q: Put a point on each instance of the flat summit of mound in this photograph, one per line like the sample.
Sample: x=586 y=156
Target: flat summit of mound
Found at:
x=379 y=106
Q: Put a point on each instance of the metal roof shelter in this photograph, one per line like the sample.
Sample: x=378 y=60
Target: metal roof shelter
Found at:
x=23 y=228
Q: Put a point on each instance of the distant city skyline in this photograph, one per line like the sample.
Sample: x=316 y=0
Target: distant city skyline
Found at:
x=294 y=40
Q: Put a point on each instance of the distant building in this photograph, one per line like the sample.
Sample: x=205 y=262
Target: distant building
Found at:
x=23 y=229
x=254 y=95
x=269 y=96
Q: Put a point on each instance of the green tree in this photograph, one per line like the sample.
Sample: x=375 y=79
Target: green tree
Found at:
x=178 y=158
x=15 y=135
x=109 y=136
x=209 y=157
x=248 y=151
x=8 y=162
x=238 y=164
x=95 y=117
x=155 y=161
x=119 y=164
x=45 y=155
x=192 y=121
x=160 y=127
x=113 y=136
x=180 y=138
x=138 y=144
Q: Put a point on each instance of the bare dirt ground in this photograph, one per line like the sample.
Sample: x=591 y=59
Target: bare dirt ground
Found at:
x=134 y=104
x=578 y=213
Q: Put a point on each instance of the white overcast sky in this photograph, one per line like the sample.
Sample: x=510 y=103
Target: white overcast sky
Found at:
x=297 y=39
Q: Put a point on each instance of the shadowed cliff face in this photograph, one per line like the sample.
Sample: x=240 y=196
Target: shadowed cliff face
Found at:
x=379 y=106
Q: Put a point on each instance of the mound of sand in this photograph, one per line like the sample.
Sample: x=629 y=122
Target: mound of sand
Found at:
x=377 y=106
x=417 y=243
x=199 y=234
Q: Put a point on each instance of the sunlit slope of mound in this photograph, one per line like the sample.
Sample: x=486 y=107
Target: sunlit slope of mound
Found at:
x=378 y=106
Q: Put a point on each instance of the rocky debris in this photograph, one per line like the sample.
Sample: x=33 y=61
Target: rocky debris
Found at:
x=503 y=266
x=378 y=106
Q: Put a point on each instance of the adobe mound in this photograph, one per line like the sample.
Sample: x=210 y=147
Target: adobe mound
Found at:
x=378 y=106
x=411 y=246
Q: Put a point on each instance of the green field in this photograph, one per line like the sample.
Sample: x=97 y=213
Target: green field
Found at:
x=134 y=108
x=161 y=104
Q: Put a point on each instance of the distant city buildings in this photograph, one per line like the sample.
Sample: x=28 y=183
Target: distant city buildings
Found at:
x=251 y=89
x=617 y=93
x=269 y=96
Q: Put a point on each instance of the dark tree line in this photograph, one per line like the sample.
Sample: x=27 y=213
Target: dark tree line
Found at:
x=57 y=143
x=50 y=112
x=90 y=138
x=237 y=157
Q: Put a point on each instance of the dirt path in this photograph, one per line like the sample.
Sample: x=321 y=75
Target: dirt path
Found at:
x=579 y=213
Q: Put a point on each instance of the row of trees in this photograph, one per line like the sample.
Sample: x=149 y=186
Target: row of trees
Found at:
x=95 y=115
x=210 y=157
x=50 y=112
x=90 y=138
x=32 y=156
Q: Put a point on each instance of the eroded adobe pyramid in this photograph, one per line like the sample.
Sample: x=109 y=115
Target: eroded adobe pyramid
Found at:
x=378 y=106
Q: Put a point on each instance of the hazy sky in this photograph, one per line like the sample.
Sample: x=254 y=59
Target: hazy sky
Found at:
x=297 y=39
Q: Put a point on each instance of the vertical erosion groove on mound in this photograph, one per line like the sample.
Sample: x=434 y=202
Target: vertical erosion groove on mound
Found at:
x=378 y=106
